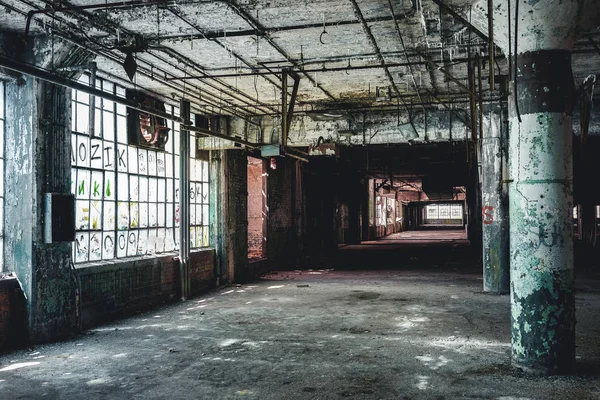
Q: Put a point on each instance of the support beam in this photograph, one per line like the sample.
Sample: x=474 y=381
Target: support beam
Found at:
x=284 y=107
x=461 y=19
x=494 y=208
x=541 y=200
x=184 y=203
x=381 y=60
x=259 y=28
x=292 y=104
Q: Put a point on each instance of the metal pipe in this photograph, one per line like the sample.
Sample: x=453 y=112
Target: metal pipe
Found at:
x=480 y=86
x=297 y=157
x=92 y=107
x=284 y=119
x=62 y=81
x=183 y=59
x=409 y=66
x=491 y=47
x=373 y=42
x=113 y=57
x=307 y=70
x=237 y=56
x=471 y=72
x=77 y=11
x=253 y=23
x=290 y=112
x=206 y=132
x=184 y=202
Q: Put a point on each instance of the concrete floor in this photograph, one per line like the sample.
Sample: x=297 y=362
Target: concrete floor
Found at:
x=322 y=334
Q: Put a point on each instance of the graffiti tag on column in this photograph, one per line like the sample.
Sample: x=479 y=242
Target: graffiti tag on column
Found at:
x=487 y=213
x=547 y=237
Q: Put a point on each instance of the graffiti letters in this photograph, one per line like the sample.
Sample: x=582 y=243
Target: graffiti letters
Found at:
x=487 y=213
x=122 y=162
x=82 y=154
x=547 y=237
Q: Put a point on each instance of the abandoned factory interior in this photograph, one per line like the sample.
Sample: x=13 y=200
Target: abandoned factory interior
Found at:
x=299 y=199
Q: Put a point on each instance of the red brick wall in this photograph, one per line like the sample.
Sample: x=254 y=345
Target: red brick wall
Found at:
x=12 y=313
x=281 y=234
x=255 y=207
x=202 y=271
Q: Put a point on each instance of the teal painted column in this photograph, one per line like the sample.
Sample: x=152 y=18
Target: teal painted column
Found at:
x=542 y=36
x=494 y=209
x=38 y=144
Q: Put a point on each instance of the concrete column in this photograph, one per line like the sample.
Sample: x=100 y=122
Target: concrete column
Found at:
x=37 y=140
x=542 y=36
x=494 y=209
x=541 y=199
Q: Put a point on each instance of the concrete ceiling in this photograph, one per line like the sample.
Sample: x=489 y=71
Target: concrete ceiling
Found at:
x=227 y=56
x=338 y=48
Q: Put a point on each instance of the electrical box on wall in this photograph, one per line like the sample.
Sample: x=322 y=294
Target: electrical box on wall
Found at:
x=270 y=150
x=59 y=217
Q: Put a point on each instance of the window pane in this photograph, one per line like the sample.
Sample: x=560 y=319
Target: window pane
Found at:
x=126 y=195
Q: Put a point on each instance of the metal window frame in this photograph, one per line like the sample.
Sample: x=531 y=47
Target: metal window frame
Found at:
x=171 y=183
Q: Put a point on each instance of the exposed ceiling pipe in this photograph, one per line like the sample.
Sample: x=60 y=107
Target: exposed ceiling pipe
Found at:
x=78 y=42
x=371 y=38
x=47 y=76
x=412 y=74
x=237 y=56
x=114 y=27
x=207 y=132
x=259 y=28
x=51 y=77
x=177 y=56
x=312 y=70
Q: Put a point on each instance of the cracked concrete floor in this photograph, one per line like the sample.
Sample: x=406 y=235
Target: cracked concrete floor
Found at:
x=319 y=334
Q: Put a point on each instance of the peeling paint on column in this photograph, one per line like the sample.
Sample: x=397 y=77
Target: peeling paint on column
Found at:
x=541 y=243
x=496 y=267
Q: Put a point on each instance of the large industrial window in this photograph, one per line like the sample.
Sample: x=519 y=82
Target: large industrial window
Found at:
x=127 y=197
x=1 y=176
x=444 y=213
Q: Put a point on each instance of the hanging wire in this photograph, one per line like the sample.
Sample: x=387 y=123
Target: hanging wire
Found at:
x=324 y=31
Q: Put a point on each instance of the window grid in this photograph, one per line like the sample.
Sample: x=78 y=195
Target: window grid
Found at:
x=443 y=211
x=127 y=197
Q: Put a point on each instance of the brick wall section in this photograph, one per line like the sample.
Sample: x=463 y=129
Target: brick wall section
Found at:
x=12 y=313
x=113 y=290
x=280 y=245
x=236 y=210
x=202 y=271
x=255 y=207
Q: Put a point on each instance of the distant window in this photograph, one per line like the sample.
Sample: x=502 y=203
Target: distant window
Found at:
x=457 y=211
x=431 y=211
x=127 y=196
x=444 y=213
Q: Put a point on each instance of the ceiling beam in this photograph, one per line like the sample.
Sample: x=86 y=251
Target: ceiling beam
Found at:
x=373 y=42
x=259 y=28
x=461 y=19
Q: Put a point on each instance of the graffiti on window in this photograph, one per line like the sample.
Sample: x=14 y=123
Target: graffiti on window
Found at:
x=127 y=196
